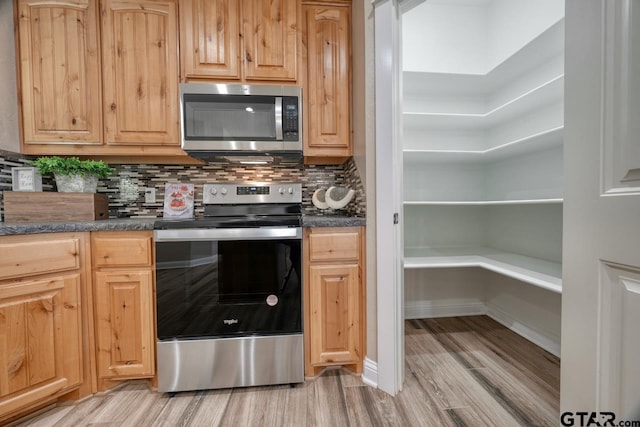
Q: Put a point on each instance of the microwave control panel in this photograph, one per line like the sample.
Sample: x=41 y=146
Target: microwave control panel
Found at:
x=290 y=118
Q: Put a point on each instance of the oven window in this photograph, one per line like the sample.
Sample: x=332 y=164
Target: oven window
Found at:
x=224 y=117
x=228 y=288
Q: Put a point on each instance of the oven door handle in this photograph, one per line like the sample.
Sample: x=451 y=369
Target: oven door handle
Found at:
x=200 y=234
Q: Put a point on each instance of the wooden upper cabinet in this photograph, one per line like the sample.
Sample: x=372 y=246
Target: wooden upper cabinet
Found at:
x=242 y=40
x=328 y=81
x=140 y=63
x=270 y=39
x=59 y=72
x=210 y=38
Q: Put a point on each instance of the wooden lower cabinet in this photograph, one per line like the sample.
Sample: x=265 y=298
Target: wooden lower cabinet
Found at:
x=335 y=306
x=42 y=341
x=334 y=298
x=124 y=324
x=123 y=287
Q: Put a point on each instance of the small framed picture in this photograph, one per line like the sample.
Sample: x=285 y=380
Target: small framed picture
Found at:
x=26 y=179
x=178 y=201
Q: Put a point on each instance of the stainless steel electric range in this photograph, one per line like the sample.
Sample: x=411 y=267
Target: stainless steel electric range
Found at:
x=229 y=290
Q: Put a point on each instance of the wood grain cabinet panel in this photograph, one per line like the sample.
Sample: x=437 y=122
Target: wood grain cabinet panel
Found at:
x=40 y=340
x=38 y=256
x=334 y=312
x=270 y=39
x=140 y=59
x=45 y=312
x=124 y=305
x=333 y=298
x=124 y=324
x=121 y=249
x=326 y=35
x=100 y=78
x=210 y=38
x=240 y=40
x=338 y=246
x=58 y=59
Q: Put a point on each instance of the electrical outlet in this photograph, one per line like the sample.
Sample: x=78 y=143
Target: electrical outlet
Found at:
x=150 y=195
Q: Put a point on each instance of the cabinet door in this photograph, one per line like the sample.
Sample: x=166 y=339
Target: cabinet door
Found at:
x=124 y=323
x=210 y=38
x=335 y=313
x=270 y=39
x=140 y=72
x=40 y=340
x=59 y=72
x=327 y=33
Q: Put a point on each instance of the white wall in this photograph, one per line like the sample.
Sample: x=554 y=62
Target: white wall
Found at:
x=521 y=20
x=444 y=226
x=444 y=292
x=531 y=230
x=9 y=137
x=532 y=312
x=445 y=39
x=472 y=36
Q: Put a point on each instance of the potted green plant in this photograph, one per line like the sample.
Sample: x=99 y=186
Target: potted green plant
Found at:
x=73 y=174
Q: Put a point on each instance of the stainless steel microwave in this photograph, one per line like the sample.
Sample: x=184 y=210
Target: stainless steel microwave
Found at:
x=235 y=120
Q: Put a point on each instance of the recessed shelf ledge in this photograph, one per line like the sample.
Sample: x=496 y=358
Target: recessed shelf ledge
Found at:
x=539 y=141
x=481 y=202
x=534 y=271
x=553 y=87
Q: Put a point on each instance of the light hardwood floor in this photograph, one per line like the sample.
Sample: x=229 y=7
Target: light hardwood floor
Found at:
x=465 y=371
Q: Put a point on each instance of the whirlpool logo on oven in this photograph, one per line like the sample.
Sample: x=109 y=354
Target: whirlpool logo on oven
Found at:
x=230 y=321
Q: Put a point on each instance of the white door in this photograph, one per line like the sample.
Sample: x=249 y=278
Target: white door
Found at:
x=601 y=262
x=390 y=325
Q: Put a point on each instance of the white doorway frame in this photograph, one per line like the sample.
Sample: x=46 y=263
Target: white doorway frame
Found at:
x=389 y=196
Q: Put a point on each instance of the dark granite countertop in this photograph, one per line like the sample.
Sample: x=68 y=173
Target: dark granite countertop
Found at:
x=135 y=224
x=332 y=221
x=7 y=228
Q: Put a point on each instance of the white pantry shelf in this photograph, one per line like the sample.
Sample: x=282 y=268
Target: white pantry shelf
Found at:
x=529 y=144
x=534 y=271
x=481 y=202
x=531 y=100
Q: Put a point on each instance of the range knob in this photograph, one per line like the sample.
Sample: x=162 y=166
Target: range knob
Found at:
x=290 y=190
x=214 y=191
x=223 y=191
x=281 y=190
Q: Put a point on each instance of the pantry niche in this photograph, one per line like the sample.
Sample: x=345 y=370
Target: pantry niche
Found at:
x=482 y=114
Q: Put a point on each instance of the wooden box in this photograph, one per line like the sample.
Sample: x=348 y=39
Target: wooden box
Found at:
x=52 y=206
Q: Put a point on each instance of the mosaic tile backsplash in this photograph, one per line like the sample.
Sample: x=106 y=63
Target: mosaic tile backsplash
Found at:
x=126 y=188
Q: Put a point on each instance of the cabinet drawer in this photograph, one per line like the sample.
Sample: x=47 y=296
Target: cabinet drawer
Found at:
x=115 y=249
x=30 y=257
x=331 y=246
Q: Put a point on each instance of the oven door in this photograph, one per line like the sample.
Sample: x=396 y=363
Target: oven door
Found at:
x=228 y=282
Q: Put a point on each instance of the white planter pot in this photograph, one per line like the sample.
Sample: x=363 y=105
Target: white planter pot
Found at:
x=76 y=183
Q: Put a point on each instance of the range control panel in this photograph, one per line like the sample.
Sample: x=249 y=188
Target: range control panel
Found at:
x=250 y=193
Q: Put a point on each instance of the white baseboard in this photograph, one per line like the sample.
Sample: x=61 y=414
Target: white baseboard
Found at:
x=370 y=373
x=547 y=341
x=429 y=309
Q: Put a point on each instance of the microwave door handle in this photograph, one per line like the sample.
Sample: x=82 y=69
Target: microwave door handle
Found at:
x=278 y=118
